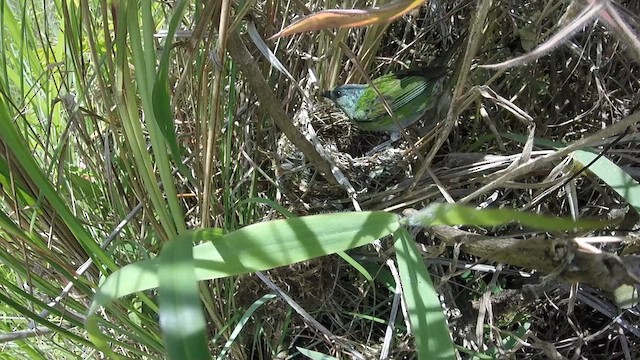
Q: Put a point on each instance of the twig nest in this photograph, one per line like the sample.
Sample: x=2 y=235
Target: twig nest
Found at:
x=346 y=147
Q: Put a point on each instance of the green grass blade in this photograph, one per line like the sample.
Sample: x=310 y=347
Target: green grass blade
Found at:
x=15 y=143
x=256 y=247
x=621 y=182
x=182 y=320
x=160 y=94
x=428 y=323
x=314 y=355
x=453 y=214
x=242 y=322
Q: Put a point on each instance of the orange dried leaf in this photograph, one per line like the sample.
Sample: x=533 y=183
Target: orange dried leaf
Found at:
x=348 y=18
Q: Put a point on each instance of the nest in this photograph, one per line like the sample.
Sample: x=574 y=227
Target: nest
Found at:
x=348 y=148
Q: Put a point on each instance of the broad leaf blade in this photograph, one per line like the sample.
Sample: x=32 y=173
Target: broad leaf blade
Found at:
x=428 y=324
x=181 y=319
x=256 y=247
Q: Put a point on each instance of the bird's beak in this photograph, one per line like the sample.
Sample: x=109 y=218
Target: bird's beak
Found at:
x=326 y=94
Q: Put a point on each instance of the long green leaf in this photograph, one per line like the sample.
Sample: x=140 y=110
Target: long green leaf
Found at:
x=160 y=94
x=428 y=323
x=621 y=182
x=453 y=214
x=182 y=320
x=256 y=247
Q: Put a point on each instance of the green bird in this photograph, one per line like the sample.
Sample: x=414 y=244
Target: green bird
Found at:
x=410 y=94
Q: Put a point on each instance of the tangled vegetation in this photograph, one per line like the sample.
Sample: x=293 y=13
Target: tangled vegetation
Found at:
x=123 y=143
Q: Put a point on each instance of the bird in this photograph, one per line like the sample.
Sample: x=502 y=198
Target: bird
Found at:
x=410 y=94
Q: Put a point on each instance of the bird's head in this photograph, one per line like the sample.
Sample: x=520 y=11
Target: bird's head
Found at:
x=346 y=97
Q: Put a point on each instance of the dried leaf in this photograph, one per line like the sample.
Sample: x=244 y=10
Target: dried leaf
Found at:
x=348 y=18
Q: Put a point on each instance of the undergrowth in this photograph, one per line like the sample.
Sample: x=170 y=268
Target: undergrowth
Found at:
x=83 y=95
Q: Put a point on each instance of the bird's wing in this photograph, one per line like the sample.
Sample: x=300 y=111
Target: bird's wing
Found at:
x=369 y=107
x=408 y=89
x=397 y=92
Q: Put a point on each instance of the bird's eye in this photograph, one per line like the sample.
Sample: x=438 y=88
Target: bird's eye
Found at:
x=338 y=93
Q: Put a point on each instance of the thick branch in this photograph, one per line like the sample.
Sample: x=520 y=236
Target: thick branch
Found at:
x=271 y=105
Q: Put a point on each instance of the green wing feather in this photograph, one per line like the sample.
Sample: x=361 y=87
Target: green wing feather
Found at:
x=397 y=93
x=410 y=88
x=408 y=93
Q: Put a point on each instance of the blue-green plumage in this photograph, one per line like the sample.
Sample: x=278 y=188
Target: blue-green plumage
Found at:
x=409 y=93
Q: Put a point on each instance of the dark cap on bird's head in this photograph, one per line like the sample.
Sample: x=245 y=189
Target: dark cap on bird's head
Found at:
x=327 y=94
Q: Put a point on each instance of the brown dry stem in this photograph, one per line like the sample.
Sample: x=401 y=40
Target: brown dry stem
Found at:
x=247 y=64
x=567 y=260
